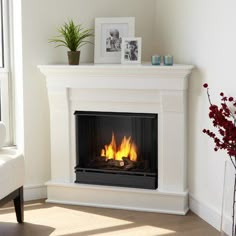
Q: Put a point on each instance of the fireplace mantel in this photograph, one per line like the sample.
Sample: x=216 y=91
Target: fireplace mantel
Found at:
x=120 y=88
x=118 y=76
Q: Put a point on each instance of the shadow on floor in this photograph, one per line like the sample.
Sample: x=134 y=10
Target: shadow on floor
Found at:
x=26 y=229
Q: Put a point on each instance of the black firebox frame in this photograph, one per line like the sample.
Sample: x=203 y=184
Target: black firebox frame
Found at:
x=120 y=178
x=116 y=178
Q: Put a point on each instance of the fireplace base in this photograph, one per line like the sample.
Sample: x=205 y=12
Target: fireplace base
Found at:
x=118 y=197
x=118 y=178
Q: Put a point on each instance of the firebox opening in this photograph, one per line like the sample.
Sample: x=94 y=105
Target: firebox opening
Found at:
x=118 y=149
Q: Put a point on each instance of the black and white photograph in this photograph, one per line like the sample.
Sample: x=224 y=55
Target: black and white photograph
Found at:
x=131 y=51
x=108 y=38
x=113 y=40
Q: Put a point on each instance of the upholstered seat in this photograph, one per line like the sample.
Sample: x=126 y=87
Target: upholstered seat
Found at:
x=12 y=179
x=11 y=176
x=11 y=171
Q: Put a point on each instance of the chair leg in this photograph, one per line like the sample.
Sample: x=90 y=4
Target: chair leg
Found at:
x=19 y=206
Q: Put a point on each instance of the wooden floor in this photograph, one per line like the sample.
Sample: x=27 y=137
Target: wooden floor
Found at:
x=43 y=219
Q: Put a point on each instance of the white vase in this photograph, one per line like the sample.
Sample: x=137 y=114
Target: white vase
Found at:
x=227 y=226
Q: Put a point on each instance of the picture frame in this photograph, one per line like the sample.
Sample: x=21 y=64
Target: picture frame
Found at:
x=109 y=32
x=131 y=50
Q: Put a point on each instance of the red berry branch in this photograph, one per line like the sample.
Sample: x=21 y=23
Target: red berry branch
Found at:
x=224 y=120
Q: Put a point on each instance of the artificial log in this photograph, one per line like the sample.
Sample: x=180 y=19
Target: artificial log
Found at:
x=98 y=162
x=128 y=163
x=102 y=162
x=124 y=164
x=115 y=163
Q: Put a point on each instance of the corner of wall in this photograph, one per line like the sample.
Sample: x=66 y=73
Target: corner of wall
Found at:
x=204 y=211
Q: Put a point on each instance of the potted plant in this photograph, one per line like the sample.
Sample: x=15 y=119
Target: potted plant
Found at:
x=73 y=37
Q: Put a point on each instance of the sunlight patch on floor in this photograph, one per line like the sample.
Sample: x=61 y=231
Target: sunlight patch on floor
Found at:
x=88 y=222
x=79 y=221
x=74 y=221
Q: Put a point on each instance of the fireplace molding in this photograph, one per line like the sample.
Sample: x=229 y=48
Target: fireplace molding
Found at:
x=120 y=88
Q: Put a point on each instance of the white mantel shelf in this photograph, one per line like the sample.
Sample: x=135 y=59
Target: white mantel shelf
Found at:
x=120 y=88
x=93 y=69
x=64 y=75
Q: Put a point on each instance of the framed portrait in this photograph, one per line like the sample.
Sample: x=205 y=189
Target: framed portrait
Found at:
x=131 y=50
x=108 y=38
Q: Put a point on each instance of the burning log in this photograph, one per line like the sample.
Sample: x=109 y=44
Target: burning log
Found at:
x=101 y=161
x=128 y=163
x=124 y=164
x=115 y=163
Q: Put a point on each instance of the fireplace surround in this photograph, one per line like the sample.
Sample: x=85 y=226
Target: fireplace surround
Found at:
x=140 y=89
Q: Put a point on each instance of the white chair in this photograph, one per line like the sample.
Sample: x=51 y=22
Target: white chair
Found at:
x=11 y=177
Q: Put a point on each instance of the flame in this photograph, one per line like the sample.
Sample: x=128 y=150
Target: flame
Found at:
x=126 y=149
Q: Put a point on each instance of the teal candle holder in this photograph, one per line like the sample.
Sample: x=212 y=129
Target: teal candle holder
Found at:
x=156 y=60
x=168 y=60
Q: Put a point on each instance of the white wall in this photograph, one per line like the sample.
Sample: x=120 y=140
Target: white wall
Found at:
x=201 y=33
x=40 y=18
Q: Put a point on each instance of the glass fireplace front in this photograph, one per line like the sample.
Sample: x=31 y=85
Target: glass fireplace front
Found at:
x=118 y=149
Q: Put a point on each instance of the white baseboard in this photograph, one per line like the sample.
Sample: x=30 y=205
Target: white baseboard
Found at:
x=35 y=192
x=210 y=215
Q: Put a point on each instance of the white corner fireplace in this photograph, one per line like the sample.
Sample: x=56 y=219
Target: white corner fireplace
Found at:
x=118 y=136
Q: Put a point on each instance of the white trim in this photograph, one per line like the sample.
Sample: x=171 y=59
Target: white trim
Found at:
x=211 y=215
x=16 y=73
x=34 y=192
x=5 y=81
x=5 y=103
x=6 y=32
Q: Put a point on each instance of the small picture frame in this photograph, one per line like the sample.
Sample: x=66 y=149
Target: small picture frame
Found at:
x=131 y=50
x=108 y=38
